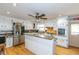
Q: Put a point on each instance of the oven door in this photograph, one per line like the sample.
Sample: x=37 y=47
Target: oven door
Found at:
x=2 y=39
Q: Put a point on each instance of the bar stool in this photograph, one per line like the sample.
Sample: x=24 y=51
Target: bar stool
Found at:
x=2 y=49
x=2 y=45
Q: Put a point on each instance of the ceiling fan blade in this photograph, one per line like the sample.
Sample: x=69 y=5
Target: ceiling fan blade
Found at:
x=31 y=15
x=42 y=15
x=44 y=18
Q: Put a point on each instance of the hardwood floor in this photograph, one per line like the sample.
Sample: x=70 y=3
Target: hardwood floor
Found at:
x=67 y=51
x=20 y=50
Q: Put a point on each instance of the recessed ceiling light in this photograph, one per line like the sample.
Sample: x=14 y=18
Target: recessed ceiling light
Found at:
x=14 y=4
x=8 y=12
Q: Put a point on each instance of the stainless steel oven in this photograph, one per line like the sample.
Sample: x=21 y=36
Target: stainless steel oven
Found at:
x=2 y=38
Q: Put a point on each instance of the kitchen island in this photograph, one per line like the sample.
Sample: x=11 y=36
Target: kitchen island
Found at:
x=40 y=44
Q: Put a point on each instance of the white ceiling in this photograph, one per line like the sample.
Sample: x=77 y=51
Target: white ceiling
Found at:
x=51 y=10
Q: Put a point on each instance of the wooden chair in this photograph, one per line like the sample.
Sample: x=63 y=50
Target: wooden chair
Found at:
x=2 y=49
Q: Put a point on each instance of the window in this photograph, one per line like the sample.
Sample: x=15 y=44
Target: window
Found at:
x=41 y=27
x=74 y=29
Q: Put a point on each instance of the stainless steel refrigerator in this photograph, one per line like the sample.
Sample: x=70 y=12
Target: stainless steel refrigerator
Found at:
x=18 y=37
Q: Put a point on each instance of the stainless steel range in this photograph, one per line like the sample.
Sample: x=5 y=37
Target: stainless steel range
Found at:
x=2 y=36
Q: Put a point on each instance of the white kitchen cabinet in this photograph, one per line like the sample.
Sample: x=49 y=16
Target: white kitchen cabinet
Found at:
x=40 y=46
x=9 y=42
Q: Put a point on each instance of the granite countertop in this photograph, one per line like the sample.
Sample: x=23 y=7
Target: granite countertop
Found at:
x=6 y=34
x=45 y=36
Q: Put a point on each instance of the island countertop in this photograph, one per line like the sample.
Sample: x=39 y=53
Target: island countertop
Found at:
x=43 y=35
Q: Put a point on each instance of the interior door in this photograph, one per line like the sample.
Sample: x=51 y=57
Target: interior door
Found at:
x=74 y=34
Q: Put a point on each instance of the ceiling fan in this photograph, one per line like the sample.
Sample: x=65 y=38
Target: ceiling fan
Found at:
x=38 y=16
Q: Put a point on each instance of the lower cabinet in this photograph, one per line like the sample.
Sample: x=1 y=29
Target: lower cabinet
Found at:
x=9 y=42
x=40 y=46
x=21 y=41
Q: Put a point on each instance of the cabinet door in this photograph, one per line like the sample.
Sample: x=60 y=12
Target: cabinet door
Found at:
x=22 y=39
x=16 y=41
x=27 y=40
x=9 y=42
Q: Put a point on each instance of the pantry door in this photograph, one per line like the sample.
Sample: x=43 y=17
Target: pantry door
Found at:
x=74 y=34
